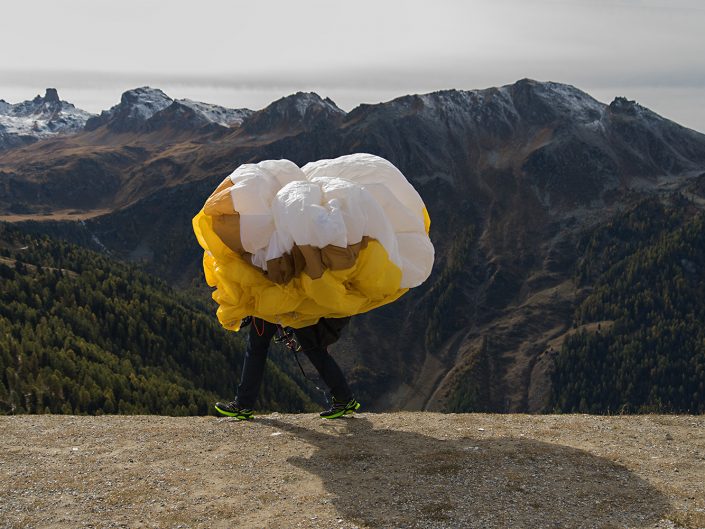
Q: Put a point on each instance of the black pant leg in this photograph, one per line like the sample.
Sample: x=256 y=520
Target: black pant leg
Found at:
x=260 y=333
x=310 y=338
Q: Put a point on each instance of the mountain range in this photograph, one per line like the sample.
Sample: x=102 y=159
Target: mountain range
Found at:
x=514 y=177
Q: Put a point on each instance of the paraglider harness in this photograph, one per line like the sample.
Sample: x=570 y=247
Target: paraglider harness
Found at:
x=286 y=336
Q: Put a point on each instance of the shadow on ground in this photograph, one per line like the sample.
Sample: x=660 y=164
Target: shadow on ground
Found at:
x=392 y=478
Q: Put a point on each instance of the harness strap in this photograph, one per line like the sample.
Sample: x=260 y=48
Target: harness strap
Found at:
x=288 y=338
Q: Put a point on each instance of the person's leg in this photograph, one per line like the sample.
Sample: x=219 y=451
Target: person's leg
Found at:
x=258 y=338
x=313 y=341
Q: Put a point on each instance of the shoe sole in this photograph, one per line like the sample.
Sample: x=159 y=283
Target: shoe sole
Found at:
x=238 y=416
x=349 y=411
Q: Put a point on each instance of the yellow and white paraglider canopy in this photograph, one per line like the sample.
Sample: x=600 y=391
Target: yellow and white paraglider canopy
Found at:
x=332 y=239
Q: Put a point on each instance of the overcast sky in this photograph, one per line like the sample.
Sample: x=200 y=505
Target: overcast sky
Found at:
x=248 y=53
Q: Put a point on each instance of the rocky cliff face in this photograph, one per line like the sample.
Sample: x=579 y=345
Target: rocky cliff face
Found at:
x=511 y=176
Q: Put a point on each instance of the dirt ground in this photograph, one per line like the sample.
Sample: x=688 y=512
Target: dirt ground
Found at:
x=397 y=470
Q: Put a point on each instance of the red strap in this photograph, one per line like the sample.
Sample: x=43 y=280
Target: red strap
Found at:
x=254 y=322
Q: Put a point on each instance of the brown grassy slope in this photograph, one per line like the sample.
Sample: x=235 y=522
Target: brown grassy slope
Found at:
x=374 y=470
x=97 y=169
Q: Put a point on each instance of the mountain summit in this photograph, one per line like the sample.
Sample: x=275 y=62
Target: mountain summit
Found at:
x=146 y=109
x=297 y=112
x=40 y=118
x=571 y=148
x=135 y=108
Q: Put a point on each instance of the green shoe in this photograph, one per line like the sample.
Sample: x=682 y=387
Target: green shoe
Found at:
x=338 y=409
x=232 y=409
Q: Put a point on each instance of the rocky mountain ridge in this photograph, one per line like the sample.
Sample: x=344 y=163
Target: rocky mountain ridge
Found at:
x=147 y=109
x=142 y=109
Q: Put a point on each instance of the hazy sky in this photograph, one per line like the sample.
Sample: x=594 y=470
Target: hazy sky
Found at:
x=248 y=53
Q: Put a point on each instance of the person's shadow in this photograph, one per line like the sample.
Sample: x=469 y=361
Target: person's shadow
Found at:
x=397 y=479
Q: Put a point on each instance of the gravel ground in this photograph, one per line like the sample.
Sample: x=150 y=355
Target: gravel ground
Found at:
x=396 y=470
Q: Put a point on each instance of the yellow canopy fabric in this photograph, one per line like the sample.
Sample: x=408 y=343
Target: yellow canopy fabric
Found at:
x=291 y=247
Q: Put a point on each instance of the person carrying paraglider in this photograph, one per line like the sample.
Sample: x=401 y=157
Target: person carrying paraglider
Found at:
x=313 y=341
x=306 y=248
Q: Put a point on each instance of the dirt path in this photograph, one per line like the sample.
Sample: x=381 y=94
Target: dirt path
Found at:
x=398 y=470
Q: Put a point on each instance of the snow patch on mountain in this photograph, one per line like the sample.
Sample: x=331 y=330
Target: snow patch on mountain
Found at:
x=142 y=103
x=564 y=100
x=226 y=117
x=624 y=106
x=299 y=111
x=572 y=101
x=39 y=118
x=146 y=108
x=305 y=100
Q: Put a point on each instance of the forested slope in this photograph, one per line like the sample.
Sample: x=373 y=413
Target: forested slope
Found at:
x=647 y=270
x=81 y=333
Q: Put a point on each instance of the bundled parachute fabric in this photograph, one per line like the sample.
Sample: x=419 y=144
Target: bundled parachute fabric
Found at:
x=332 y=239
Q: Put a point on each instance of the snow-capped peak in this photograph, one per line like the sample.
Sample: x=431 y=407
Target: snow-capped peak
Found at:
x=144 y=102
x=565 y=99
x=302 y=110
x=135 y=108
x=145 y=108
x=526 y=100
x=217 y=114
x=301 y=103
x=305 y=100
x=38 y=118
